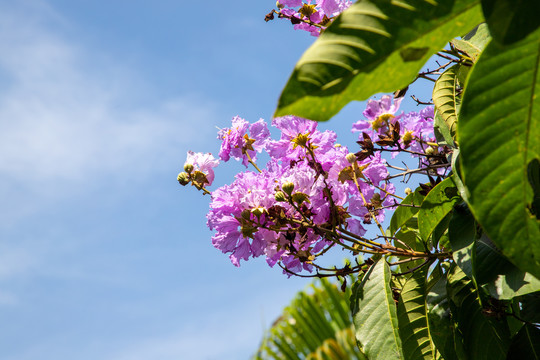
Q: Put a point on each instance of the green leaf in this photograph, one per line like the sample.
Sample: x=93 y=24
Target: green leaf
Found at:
x=404 y=213
x=483 y=337
x=316 y=324
x=511 y=20
x=512 y=284
x=498 y=133
x=373 y=46
x=530 y=308
x=440 y=230
x=374 y=314
x=441 y=130
x=526 y=344
x=412 y=317
x=440 y=320
x=462 y=234
x=503 y=279
x=445 y=99
x=437 y=204
x=474 y=42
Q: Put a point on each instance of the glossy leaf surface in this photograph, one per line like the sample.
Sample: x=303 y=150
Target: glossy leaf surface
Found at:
x=375 y=315
x=374 y=46
x=498 y=133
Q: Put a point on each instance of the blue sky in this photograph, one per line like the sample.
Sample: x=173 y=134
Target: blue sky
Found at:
x=102 y=254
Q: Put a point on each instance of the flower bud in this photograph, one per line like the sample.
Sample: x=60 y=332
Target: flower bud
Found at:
x=351 y=158
x=408 y=191
x=431 y=151
x=183 y=178
x=188 y=168
x=279 y=5
x=280 y=196
x=288 y=187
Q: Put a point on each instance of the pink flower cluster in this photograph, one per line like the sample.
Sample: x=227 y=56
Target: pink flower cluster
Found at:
x=307 y=186
x=415 y=127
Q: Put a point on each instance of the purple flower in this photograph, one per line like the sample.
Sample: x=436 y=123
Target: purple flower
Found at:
x=237 y=210
x=243 y=139
x=333 y=7
x=203 y=163
x=291 y=3
x=417 y=126
x=379 y=114
x=297 y=134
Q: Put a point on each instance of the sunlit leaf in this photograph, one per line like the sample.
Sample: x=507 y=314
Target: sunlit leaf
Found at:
x=445 y=99
x=474 y=42
x=412 y=317
x=498 y=132
x=375 y=315
x=437 y=204
x=411 y=205
x=374 y=46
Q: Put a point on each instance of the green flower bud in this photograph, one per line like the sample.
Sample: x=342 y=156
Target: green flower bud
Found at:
x=280 y=196
x=351 y=158
x=431 y=151
x=288 y=187
x=188 y=168
x=408 y=191
x=183 y=178
x=299 y=198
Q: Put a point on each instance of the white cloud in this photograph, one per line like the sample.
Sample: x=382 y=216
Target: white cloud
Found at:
x=70 y=117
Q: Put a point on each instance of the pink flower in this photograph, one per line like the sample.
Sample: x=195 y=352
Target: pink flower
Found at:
x=203 y=163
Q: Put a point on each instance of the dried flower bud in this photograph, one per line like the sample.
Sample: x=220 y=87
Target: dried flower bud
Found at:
x=351 y=158
x=183 y=178
x=188 y=168
x=376 y=200
x=279 y=5
x=280 y=196
x=408 y=191
x=246 y=214
x=288 y=187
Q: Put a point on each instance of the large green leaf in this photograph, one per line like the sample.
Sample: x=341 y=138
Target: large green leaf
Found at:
x=511 y=20
x=484 y=338
x=437 y=204
x=412 y=317
x=374 y=46
x=375 y=315
x=498 y=132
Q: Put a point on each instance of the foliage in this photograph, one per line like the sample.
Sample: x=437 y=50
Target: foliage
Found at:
x=455 y=276
x=316 y=325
